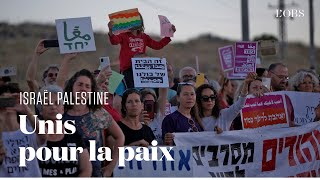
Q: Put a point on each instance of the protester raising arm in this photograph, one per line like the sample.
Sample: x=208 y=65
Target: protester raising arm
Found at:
x=229 y=114
x=33 y=67
x=65 y=68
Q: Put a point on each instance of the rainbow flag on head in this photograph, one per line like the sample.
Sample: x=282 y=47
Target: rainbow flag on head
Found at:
x=124 y=20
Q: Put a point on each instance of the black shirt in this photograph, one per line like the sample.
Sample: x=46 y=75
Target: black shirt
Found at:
x=52 y=168
x=135 y=135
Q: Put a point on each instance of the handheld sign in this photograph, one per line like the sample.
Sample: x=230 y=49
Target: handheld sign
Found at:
x=226 y=56
x=125 y=20
x=75 y=35
x=150 y=72
x=114 y=81
x=268 y=111
x=245 y=58
x=165 y=26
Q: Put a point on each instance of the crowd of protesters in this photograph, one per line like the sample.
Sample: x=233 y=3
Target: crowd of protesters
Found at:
x=213 y=106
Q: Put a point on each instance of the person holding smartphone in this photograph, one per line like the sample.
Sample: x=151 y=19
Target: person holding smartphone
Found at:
x=154 y=110
x=49 y=76
x=136 y=133
x=13 y=137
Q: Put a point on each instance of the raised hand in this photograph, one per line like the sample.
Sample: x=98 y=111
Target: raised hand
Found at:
x=40 y=48
x=145 y=118
x=110 y=25
x=250 y=77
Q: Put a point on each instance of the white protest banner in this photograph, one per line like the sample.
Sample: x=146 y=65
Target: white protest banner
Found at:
x=280 y=152
x=75 y=35
x=268 y=111
x=226 y=56
x=165 y=27
x=180 y=167
x=150 y=72
x=303 y=105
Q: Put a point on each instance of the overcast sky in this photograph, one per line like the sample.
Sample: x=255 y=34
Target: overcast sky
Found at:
x=191 y=17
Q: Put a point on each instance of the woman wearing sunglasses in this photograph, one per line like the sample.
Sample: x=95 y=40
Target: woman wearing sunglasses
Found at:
x=186 y=118
x=212 y=115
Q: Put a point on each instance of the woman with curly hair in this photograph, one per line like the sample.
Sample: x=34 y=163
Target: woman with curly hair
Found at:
x=303 y=81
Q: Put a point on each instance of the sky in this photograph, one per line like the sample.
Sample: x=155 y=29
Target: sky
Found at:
x=191 y=17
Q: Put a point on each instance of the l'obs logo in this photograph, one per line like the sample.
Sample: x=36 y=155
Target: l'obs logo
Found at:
x=291 y=13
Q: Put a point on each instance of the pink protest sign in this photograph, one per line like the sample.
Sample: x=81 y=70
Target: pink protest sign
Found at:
x=226 y=56
x=165 y=27
x=245 y=58
x=268 y=110
x=246 y=48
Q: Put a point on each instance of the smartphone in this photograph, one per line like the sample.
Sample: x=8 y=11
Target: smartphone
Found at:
x=50 y=43
x=7 y=102
x=149 y=106
x=104 y=61
x=200 y=79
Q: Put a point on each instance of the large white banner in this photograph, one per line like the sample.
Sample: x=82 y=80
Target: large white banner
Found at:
x=180 y=167
x=281 y=152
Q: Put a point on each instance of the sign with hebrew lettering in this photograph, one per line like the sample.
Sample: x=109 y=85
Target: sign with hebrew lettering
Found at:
x=75 y=35
x=125 y=20
x=180 y=167
x=268 y=111
x=280 y=152
x=245 y=58
x=150 y=72
x=165 y=27
x=226 y=56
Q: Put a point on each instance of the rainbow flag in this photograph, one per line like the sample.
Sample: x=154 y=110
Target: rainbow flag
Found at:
x=124 y=20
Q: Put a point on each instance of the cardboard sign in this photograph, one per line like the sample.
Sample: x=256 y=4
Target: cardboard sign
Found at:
x=125 y=20
x=226 y=56
x=75 y=35
x=150 y=72
x=165 y=27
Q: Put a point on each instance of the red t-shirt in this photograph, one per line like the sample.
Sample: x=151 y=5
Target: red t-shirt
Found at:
x=132 y=45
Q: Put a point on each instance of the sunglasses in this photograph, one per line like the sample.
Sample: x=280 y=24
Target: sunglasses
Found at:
x=52 y=74
x=193 y=125
x=206 y=98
